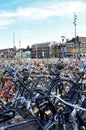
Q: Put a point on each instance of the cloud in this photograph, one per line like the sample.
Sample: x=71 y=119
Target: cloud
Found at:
x=50 y=10
x=4 y=22
x=44 y=11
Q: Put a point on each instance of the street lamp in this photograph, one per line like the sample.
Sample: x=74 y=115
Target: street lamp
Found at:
x=36 y=51
x=13 y=39
x=20 y=51
x=75 y=18
x=62 y=37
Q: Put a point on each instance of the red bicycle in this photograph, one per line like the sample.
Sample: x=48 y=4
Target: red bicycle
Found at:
x=7 y=90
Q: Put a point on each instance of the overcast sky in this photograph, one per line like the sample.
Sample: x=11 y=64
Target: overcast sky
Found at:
x=36 y=21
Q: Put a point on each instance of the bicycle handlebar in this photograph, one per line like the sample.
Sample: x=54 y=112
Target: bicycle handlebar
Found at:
x=75 y=106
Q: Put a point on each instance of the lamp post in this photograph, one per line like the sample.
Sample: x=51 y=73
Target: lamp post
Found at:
x=13 y=39
x=20 y=51
x=42 y=56
x=36 y=51
x=75 y=18
x=62 y=37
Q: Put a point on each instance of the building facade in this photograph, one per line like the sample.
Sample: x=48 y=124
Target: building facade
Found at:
x=43 y=50
x=73 y=47
x=76 y=46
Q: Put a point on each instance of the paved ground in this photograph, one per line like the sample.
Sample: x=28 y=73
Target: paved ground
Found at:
x=27 y=126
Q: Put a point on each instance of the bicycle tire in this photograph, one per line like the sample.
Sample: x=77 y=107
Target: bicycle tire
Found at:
x=43 y=83
x=62 y=87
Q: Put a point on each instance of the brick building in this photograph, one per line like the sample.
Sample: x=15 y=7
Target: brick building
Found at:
x=43 y=50
x=76 y=46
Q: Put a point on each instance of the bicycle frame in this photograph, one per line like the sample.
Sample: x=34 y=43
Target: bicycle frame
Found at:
x=4 y=92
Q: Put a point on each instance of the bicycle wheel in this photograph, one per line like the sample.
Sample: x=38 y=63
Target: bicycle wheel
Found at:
x=43 y=83
x=61 y=87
